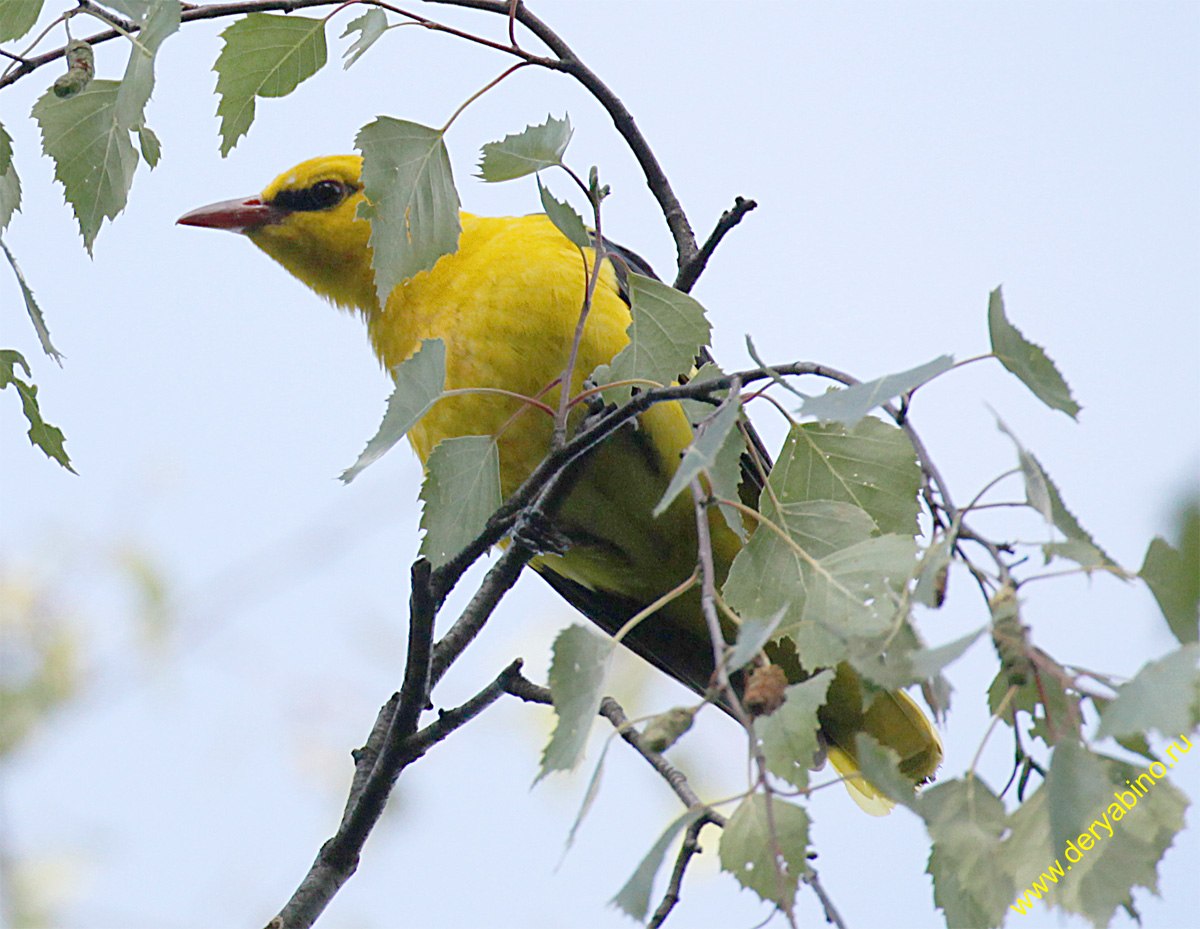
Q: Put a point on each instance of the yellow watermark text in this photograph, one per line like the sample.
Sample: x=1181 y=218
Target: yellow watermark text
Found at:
x=1100 y=829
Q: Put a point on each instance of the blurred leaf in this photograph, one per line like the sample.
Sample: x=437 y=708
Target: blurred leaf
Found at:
x=32 y=308
x=522 y=153
x=370 y=26
x=1084 y=554
x=701 y=454
x=10 y=184
x=665 y=729
x=872 y=466
x=634 y=898
x=93 y=156
x=46 y=437
x=1173 y=578
x=880 y=765
x=460 y=492
x=419 y=381
x=40 y=670
x=1096 y=881
x=589 y=797
x=1037 y=494
x=1076 y=790
x=577 y=671
x=17 y=17
x=752 y=635
x=828 y=601
x=930 y=589
x=564 y=217
x=899 y=668
x=158 y=20
x=966 y=823
x=748 y=843
x=849 y=405
x=667 y=330
x=1164 y=695
x=264 y=56
x=789 y=735
x=1068 y=525
x=411 y=200
x=1027 y=361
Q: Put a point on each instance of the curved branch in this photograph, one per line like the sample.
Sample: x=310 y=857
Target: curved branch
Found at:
x=568 y=61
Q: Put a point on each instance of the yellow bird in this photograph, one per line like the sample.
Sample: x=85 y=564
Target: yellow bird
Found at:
x=506 y=304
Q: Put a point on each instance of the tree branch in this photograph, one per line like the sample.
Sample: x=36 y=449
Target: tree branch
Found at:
x=690 y=272
x=568 y=61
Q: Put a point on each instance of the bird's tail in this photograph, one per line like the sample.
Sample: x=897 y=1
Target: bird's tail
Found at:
x=891 y=718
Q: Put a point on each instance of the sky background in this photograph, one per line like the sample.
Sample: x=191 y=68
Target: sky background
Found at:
x=240 y=614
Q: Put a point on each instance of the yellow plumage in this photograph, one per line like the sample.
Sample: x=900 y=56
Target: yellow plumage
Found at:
x=506 y=304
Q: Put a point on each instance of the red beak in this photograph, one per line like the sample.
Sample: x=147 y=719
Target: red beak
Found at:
x=233 y=215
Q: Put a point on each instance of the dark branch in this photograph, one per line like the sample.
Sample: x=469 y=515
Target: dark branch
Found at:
x=338 y=858
x=690 y=272
x=568 y=61
x=690 y=846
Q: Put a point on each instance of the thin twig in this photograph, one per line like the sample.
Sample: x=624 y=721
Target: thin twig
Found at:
x=690 y=272
x=690 y=846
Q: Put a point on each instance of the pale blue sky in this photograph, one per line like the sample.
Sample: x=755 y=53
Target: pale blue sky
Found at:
x=906 y=158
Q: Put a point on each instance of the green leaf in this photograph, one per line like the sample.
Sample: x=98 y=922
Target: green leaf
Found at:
x=1172 y=577
x=17 y=17
x=789 y=736
x=828 y=600
x=699 y=410
x=701 y=454
x=419 y=382
x=264 y=56
x=1037 y=493
x=634 y=898
x=725 y=474
x=899 y=668
x=1027 y=361
x=1076 y=790
x=1127 y=834
x=872 y=466
x=411 y=200
x=461 y=491
x=93 y=156
x=758 y=827
x=577 y=671
x=10 y=184
x=32 y=308
x=1164 y=695
x=149 y=144
x=44 y=436
x=589 y=798
x=966 y=822
x=564 y=217
x=370 y=26
x=1085 y=555
x=848 y=405
x=667 y=330
x=880 y=765
x=522 y=153
x=753 y=634
x=159 y=19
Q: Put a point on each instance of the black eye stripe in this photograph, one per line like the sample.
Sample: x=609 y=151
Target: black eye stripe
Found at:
x=322 y=195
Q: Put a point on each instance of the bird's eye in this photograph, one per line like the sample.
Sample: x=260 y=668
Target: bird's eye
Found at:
x=322 y=195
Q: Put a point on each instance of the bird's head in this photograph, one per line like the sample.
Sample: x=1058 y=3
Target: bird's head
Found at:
x=307 y=220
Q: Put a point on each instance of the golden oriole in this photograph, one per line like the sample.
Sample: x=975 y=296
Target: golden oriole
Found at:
x=506 y=304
